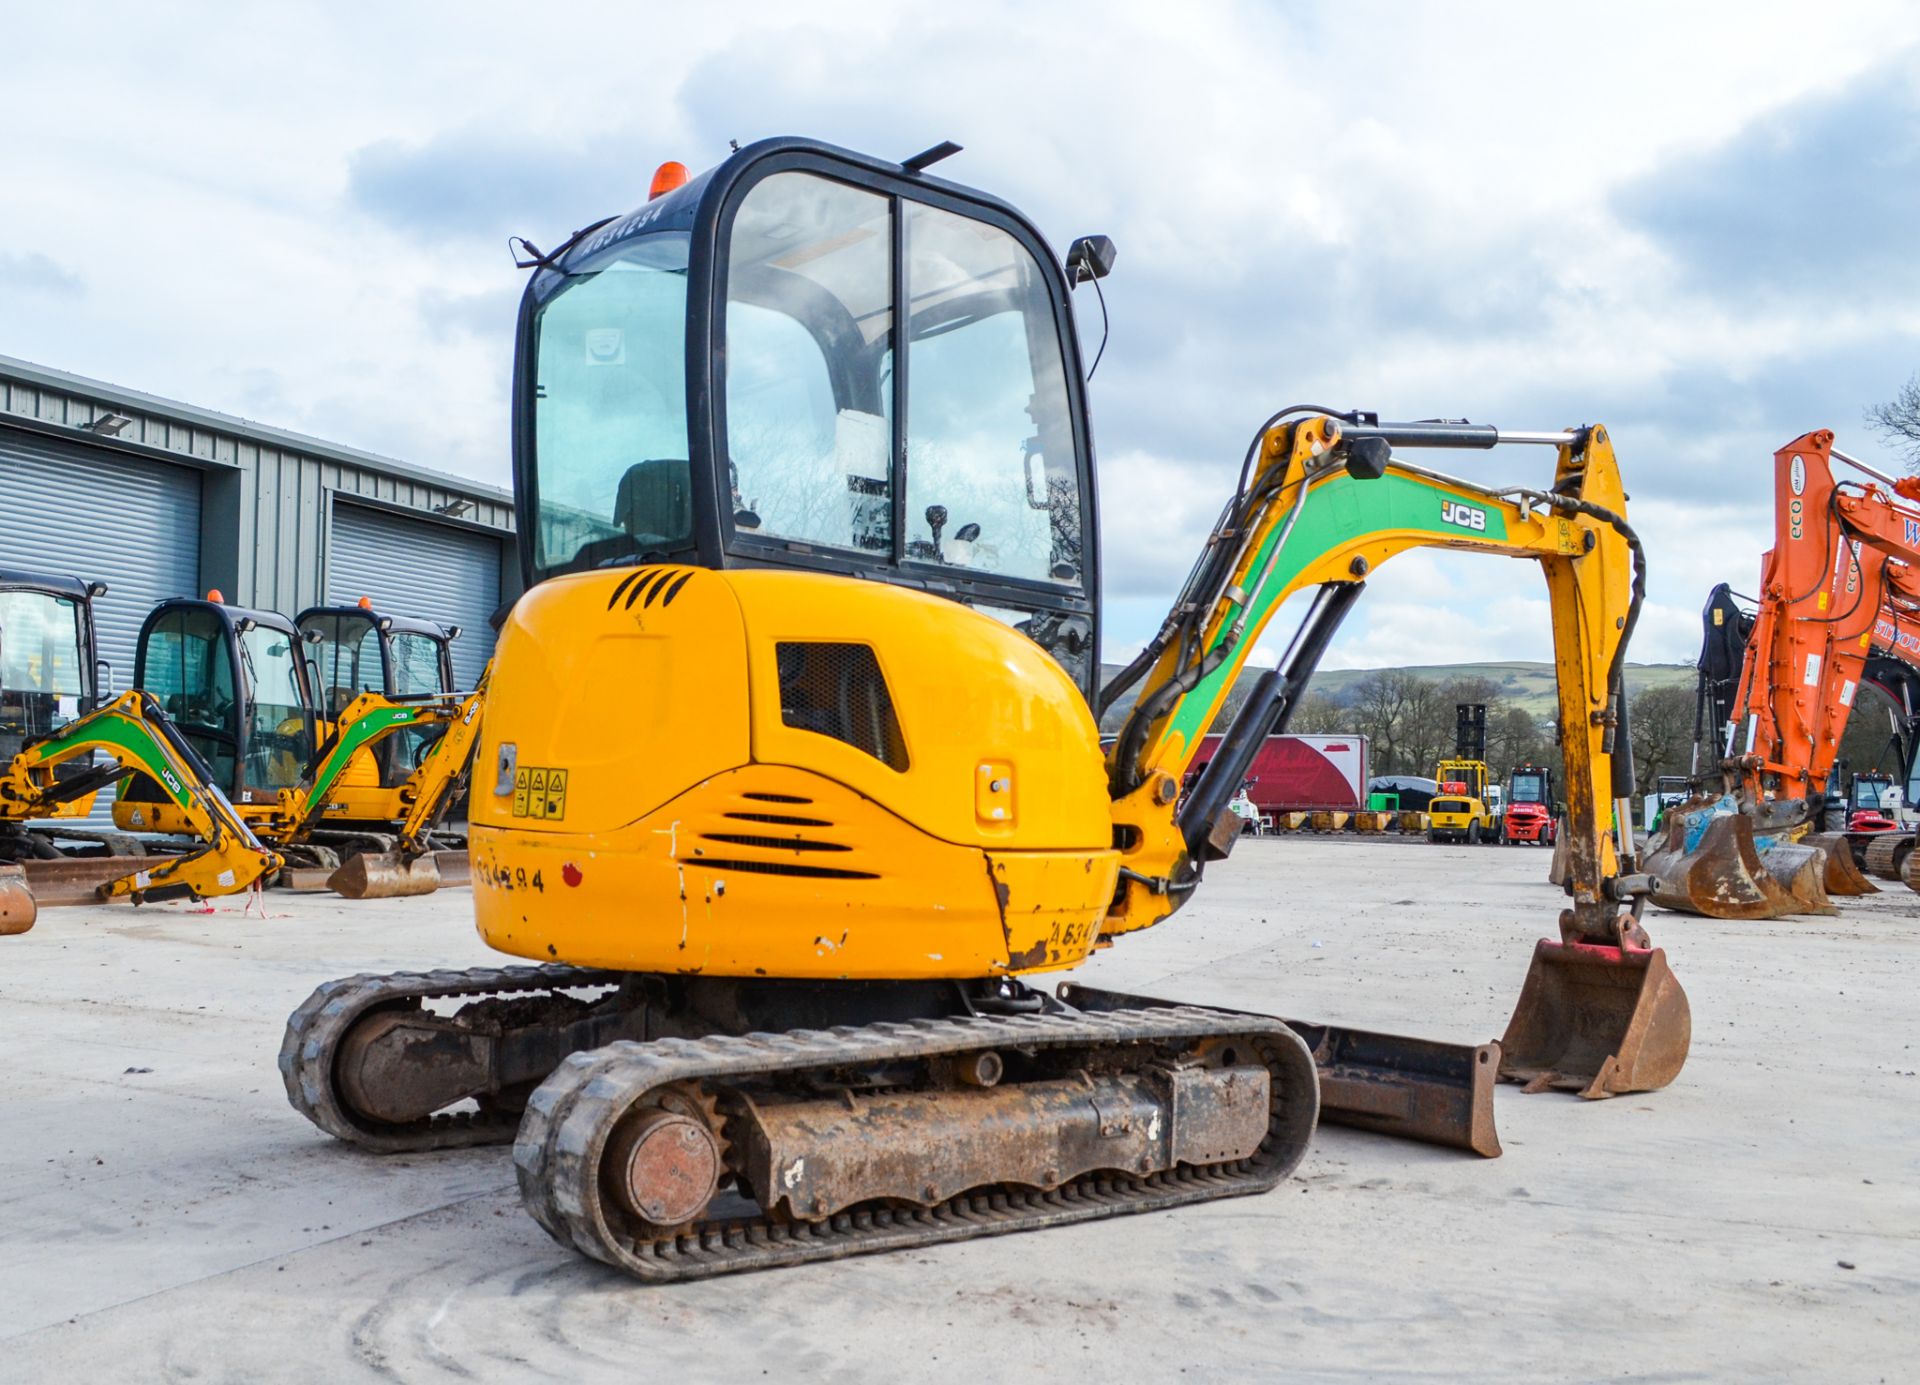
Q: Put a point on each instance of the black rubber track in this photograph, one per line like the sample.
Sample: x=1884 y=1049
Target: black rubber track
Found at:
x=564 y=1131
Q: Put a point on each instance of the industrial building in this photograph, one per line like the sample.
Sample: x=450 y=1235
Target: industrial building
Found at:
x=160 y=499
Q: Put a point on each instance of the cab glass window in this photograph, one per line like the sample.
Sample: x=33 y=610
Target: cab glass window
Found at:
x=610 y=409
x=809 y=324
x=42 y=681
x=416 y=664
x=279 y=734
x=992 y=478
x=347 y=659
x=186 y=667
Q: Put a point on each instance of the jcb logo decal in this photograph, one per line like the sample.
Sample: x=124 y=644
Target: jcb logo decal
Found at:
x=539 y=793
x=1466 y=516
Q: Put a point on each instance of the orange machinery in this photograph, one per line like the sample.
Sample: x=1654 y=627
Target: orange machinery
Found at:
x=1841 y=582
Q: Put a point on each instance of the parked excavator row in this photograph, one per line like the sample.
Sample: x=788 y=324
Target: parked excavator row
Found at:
x=209 y=748
x=792 y=780
x=1840 y=586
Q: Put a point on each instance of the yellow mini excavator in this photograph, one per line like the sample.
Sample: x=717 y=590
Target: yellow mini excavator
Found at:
x=366 y=778
x=790 y=776
x=62 y=740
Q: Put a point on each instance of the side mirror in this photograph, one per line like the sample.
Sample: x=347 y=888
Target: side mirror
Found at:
x=1089 y=258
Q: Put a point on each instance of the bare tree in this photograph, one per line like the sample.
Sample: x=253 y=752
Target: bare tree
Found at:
x=1898 y=421
x=1662 y=720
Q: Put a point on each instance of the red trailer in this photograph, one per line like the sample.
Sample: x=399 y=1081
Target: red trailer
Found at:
x=1301 y=773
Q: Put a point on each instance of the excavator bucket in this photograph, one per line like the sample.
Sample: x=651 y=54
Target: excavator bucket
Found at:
x=1721 y=875
x=1597 y=1020
x=1844 y=876
x=17 y=909
x=1801 y=871
x=386 y=875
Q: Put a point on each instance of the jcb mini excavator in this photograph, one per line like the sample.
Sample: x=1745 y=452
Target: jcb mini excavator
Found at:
x=62 y=740
x=241 y=685
x=1841 y=583
x=790 y=775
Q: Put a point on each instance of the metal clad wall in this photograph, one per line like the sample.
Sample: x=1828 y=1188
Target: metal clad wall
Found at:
x=419 y=568
x=130 y=523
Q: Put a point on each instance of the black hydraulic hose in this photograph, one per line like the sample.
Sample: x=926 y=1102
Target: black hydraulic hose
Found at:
x=1206 y=567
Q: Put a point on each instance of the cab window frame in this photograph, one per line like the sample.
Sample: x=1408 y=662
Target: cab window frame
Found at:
x=711 y=266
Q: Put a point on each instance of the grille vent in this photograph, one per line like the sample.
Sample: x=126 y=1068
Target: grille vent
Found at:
x=837 y=690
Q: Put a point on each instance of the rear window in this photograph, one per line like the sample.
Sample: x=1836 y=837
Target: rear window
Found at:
x=1449 y=805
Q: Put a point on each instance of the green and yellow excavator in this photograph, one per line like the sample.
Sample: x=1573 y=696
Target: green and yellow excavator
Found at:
x=63 y=739
x=790 y=783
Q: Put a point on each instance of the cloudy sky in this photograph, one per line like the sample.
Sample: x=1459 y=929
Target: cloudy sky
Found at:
x=1695 y=223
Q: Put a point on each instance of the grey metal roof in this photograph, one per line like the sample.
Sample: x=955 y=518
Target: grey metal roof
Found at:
x=211 y=420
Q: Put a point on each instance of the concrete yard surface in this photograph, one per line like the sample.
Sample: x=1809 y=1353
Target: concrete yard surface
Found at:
x=164 y=1215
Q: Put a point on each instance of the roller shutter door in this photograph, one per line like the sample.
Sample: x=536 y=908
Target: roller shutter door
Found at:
x=125 y=521
x=419 y=568
x=131 y=523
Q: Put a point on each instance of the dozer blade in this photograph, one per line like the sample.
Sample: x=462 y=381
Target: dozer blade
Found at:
x=17 y=909
x=385 y=875
x=1417 y=1089
x=1722 y=877
x=1597 y=1020
x=1844 y=876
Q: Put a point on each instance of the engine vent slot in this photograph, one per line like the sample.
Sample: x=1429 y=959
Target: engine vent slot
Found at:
x=788 y=868
x=779 y=819
x=776 y=798
x=772 y=843
x=837 y=690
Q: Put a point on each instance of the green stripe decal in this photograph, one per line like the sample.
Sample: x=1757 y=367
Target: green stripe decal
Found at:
x=1338 y=511
x=370 y=727
x=129 y=742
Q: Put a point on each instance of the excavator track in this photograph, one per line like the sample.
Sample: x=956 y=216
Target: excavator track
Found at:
x=573 y=1122
x=310 y=1050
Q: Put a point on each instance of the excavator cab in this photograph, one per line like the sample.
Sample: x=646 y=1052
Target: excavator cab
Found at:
x=50 y=675
x=358 y=649
x=813 y=360
x=49 y=669
x=236 y=683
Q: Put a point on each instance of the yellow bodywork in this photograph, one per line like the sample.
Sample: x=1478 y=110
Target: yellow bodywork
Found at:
x=645 y=801
x=697 y=831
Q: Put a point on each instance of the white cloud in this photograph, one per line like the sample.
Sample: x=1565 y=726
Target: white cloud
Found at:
x=1415 y=209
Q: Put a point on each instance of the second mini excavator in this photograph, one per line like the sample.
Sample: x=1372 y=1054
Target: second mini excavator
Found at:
x=1840 y=585
x=790 y=774
x=365 y=777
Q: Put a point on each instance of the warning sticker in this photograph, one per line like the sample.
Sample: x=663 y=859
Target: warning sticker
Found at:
x=1812 y=678
x=539 y=793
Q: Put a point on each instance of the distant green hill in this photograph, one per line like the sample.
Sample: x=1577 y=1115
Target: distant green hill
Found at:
x=1525 y=685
